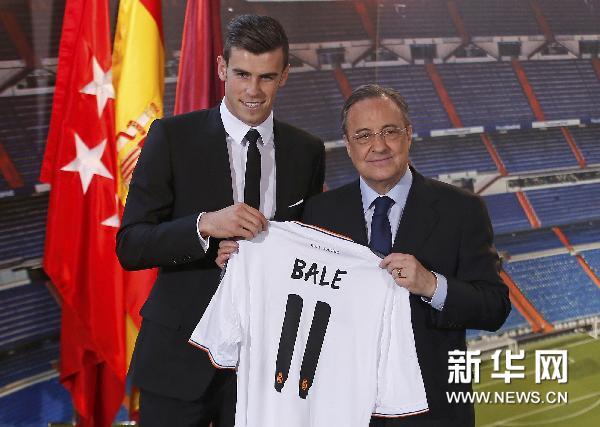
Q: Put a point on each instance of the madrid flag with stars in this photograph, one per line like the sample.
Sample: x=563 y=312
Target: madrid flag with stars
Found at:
x=80 y=164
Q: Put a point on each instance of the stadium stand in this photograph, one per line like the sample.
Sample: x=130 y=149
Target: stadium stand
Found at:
x=486 y=93
x=498 y=17
x=338 y=168
x=23 y=134
x=443 y=155
x=506 y=213
x=572 y=17
x=566 y=89
x=412 y=81
x=22 y=227
x=330 y=21
x=414 y=19
x=534 y=150
x=527 y=242
x=588 y=141
x=564 y=205
x=296 y=104
x=583 y=233
x=29 y=314
x=557 y=286
x=592 y=257
x=39 y=359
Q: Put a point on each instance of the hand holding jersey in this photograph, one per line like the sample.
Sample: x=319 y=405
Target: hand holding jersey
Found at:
x=304 y=316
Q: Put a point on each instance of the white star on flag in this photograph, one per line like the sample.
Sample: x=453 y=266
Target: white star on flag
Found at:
x=114 y=220
x=100 y=86
x=88 y=162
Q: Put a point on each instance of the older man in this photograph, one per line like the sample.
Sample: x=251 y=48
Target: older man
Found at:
x=437 y=242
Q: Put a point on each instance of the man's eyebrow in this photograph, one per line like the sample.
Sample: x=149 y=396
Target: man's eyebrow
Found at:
x=242 y=71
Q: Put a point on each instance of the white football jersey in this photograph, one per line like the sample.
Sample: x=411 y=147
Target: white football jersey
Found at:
x=304 y=316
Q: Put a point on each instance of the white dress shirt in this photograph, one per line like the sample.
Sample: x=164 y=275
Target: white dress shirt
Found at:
x=237 y=147
x=399 y=193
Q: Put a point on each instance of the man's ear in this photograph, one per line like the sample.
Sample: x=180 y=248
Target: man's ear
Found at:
x=284 y=76
x=222 y=68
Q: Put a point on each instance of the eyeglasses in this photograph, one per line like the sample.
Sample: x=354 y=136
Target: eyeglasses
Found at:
x=389 y=134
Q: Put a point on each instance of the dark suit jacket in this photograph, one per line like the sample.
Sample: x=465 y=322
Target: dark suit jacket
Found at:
x=184 y=170
x=448 y=230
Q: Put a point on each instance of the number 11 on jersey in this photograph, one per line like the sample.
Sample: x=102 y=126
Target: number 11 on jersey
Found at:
x=287 y=341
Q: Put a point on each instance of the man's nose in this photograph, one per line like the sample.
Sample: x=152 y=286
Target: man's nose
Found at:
x=253 y=88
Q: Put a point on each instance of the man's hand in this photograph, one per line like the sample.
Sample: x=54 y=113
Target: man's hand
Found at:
x=226 y=248
x=238 y=220
x=408 y=272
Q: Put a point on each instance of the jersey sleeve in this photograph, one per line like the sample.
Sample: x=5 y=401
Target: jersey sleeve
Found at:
x=219 y=331
x=400 y=388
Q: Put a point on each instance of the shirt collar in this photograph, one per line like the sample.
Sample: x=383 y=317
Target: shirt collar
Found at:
x=237 y=130
x=398 y=193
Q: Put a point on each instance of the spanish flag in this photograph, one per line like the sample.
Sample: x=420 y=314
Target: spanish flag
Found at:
x=138 y=78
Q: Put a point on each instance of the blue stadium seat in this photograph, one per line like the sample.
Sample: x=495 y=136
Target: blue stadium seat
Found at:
x=528 y=241
x=557 y=286
x=584 y=233
x=23 y=227
x=444 y=155
x=28 y=313
x=339 y=170
x=534 y=150
x=588 y=141
x=564 y=205
x=506 y=213
x=414 y=19
x=573 y=16
x=486 y=93
x=498 y=17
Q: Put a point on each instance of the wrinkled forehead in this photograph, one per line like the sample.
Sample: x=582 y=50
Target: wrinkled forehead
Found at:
x=375 y=114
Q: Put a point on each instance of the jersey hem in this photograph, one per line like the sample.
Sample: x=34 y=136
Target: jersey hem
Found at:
x=401 y=415
x=210 y=356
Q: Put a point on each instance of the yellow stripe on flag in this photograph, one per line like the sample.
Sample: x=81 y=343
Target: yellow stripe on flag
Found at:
x=138 y=70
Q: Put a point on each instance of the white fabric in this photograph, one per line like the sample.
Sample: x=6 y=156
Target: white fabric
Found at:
x=237 y=147
x=243 y=324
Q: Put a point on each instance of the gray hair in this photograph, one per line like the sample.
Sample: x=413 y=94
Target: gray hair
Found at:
x=374 y=91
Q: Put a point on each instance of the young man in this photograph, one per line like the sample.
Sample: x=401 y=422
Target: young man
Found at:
x=217 y=173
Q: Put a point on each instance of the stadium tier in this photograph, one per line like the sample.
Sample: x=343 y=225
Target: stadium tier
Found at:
x=534 y=150
x=564 y=205
x=573 y=16
x=296 y=103
x=338 y=168
x=506 y=213
x=414 y=19
x=22 y=227
x=557 y=286
x=329 y=21
x=498 y=17
x=514 y=321
x=584 y=233
x=566 y=89
x=413 y=82
x=29 y=314
x=486 y=93
x=444 y=155
x=588 y=141
x=36 y=361
x=527 y=242
x=592 y=257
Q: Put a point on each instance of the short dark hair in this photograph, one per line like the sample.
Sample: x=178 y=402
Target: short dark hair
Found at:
x=256 y=34
x=374 y=91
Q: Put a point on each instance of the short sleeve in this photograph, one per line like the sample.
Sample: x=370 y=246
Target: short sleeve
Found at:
x=400 y=388
x=219 y=331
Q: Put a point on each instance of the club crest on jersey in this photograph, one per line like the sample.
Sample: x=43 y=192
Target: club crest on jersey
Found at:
x=304 y=384
x=279 y=378
x=314 y=271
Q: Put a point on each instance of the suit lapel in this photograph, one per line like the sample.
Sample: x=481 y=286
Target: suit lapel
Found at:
x=418 y=219
x=216 y=158
x=351 y=209
x=284 y=168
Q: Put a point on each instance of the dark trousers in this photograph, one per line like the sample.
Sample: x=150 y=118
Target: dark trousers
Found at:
x=217 y=406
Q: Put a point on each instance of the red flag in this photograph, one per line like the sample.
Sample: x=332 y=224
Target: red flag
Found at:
x=79 y=255
x=198 y=84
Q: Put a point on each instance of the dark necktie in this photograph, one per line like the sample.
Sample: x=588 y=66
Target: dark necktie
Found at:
x=381 y=232
x=252 y=179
